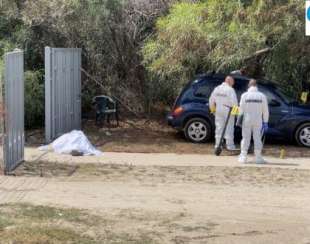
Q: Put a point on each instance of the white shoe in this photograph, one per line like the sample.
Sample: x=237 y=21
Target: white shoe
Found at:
x=260 y=160
x=242 y=159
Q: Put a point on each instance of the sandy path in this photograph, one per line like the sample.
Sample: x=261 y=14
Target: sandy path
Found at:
x=243 y=214
x=234 y=209
x=165 y=159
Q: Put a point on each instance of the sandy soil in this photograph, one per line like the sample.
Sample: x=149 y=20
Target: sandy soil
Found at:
x=162 y=189
x=166 y=200
x=149 y=136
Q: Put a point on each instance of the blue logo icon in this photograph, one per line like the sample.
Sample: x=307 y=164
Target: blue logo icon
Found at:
x=308 y=13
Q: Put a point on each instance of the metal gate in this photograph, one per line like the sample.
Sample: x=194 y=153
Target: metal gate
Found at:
x=62 y=91
x=13 y=110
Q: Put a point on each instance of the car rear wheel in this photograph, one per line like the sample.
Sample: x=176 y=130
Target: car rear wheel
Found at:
x=197 y=130
x=302 y=135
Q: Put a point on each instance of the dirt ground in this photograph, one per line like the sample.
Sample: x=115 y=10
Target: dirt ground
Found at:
x=148 y=203
x=182 y=195
x=153 y=136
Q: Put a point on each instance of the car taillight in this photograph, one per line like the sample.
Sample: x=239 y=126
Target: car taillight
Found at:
x=177 y=111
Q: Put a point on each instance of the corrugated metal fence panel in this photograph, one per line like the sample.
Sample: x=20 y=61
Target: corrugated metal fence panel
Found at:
x=62 y=91
x=48 y=89
x=1 y=117
x=14 y=110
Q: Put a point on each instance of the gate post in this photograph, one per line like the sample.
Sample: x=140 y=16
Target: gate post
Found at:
x=48 y=95
x=2 y=166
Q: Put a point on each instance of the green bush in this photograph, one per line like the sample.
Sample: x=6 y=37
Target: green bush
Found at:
x=34 y=99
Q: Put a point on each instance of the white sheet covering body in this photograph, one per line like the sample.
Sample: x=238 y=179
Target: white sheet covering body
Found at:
x=73 y=141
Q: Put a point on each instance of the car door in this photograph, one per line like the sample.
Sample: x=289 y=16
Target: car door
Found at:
x=240 y=87
x=278 y=109
x=202 y=94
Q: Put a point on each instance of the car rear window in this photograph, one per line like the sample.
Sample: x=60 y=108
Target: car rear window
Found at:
x=205 y=89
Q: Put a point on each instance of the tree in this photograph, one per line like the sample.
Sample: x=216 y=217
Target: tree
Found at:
x=110 y=33
x=266 y=36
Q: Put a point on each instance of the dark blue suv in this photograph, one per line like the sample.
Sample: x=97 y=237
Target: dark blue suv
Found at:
x=289 y=120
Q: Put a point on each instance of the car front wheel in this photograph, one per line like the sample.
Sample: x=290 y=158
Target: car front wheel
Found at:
x=197 y=130
x=302 y=135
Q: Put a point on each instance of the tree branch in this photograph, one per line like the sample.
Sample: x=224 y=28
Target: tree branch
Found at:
x=256 y=54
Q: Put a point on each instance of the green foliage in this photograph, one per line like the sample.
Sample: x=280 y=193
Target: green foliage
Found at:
x=95 y=26
x=110 y=33
x=179 y=47
x=144 y=51
x=176 y=52
x=225 y=35
x=34 y=99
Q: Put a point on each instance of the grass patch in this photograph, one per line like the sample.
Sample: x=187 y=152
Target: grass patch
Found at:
x=29 y=224
x=47 y=234
x=4 y=222
x=46 y=213
x=24 y=223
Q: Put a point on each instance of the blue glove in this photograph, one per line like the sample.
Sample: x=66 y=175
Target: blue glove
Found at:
x=265 y=127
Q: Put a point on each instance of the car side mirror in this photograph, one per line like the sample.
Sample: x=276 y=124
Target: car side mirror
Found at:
x=274 y=103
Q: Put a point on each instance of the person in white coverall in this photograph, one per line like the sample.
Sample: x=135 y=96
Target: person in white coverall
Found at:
x=255 y=112
x=222 y=98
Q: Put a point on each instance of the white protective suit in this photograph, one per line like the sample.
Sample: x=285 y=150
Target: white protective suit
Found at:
x=223 y=97
x=254 y=108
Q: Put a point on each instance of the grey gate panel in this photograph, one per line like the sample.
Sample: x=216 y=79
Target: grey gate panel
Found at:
x=13 y=94
x=62 y=91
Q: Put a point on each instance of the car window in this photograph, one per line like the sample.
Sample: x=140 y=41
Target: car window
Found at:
x=270 y=95
x=204 y=90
